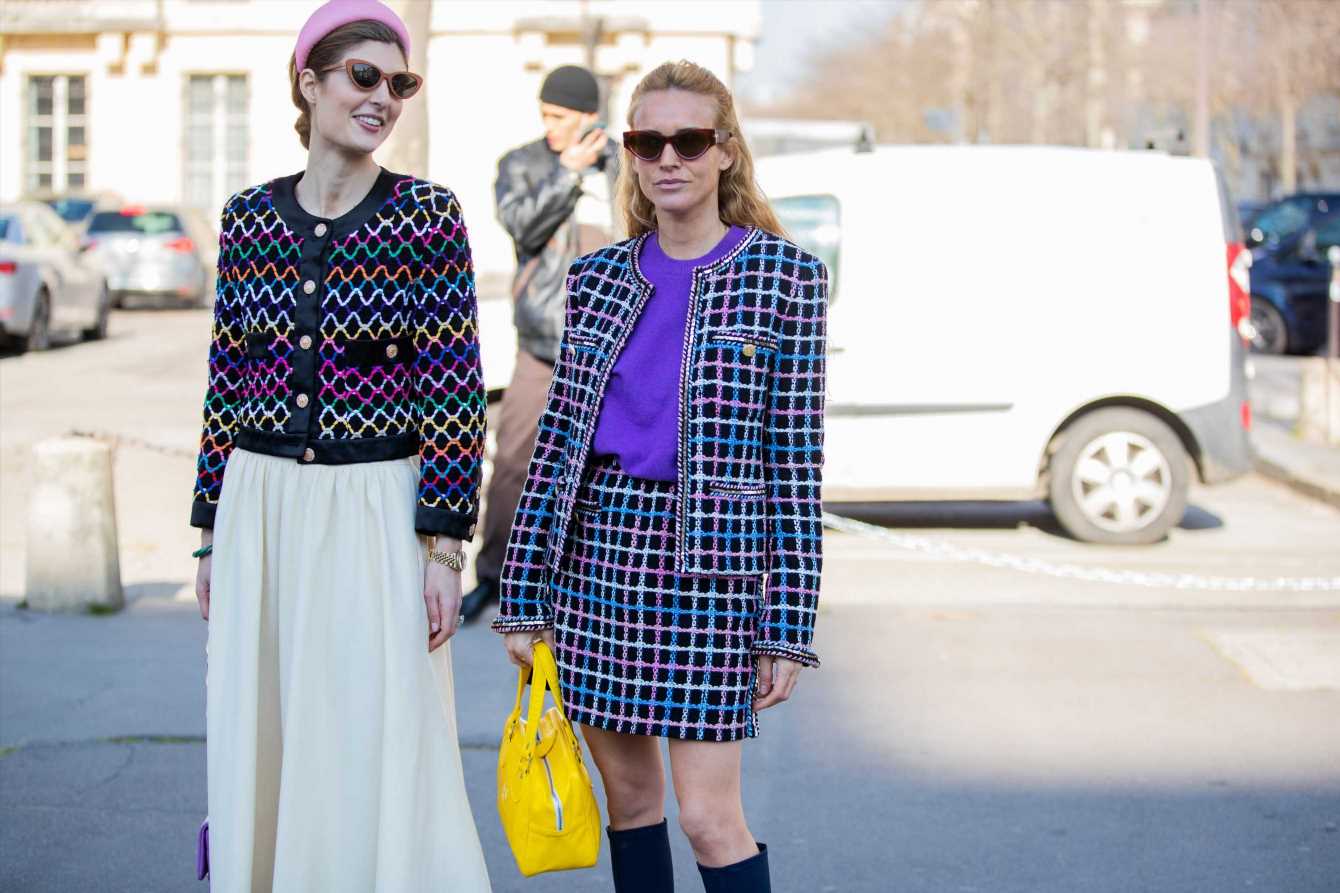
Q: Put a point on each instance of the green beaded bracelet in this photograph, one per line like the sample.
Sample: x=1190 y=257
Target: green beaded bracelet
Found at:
x=203 y=551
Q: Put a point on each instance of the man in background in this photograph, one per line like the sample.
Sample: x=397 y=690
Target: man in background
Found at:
x=554 y=198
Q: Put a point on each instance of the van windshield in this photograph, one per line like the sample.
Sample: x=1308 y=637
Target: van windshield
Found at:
x=814 y=222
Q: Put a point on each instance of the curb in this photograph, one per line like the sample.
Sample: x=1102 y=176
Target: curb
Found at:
x=1298 y=483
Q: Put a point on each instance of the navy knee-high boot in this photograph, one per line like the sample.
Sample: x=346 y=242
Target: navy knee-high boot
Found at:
x=749 y=876
x=640 y=858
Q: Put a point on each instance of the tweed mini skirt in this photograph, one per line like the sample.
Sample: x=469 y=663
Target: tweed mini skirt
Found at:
x=642 y=649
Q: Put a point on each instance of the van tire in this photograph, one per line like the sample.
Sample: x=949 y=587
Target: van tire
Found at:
x=1119 y=477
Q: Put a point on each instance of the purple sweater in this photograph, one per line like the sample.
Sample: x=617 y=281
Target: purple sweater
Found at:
x=639 y=418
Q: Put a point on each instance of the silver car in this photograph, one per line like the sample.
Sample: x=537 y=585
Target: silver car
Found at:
x=152 y=254
x=47 y=283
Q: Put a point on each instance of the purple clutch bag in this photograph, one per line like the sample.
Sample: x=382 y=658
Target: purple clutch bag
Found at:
x=202 y=851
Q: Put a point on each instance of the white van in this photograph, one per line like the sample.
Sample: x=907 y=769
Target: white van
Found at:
x=1025 y=322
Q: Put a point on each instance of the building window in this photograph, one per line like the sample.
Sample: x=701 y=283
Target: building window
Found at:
x=216 y=139
x=57 y=150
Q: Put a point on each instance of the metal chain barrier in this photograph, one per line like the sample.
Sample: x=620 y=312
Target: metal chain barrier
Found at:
x=946 y=551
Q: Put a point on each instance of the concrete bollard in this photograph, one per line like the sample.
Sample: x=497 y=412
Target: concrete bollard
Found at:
x=73 y=563
x=1319 y=399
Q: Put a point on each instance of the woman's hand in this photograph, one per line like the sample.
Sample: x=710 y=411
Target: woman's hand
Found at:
x=442 y=598
x=777 y=678
x=203 y=570
x=518 y=644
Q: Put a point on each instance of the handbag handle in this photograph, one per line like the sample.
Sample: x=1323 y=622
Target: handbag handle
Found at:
x=543 y=674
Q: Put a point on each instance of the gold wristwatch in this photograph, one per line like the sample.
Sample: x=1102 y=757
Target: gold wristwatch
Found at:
x=454 y=560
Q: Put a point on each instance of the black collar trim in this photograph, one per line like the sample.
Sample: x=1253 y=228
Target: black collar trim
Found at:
x=295 y=218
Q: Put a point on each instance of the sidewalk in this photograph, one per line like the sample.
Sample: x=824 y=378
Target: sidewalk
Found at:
x=1308 y=468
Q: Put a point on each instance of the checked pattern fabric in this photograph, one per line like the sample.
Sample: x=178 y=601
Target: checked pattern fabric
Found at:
x=641 y=649
x=750 y=443
x=348 y=340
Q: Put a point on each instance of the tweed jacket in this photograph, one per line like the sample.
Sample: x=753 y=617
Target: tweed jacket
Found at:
x=750 y=432
x=345 y=340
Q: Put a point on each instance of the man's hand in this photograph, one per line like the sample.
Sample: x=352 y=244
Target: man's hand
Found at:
x=584 y=153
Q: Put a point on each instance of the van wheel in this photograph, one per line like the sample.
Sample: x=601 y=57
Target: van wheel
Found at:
x=1120 y=477
x=1270 y=334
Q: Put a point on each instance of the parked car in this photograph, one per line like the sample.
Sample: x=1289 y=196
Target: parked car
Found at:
x=1027 y=322
x=153 y=254
x=1283 y=220
x=1290 y=273
x=47 y=284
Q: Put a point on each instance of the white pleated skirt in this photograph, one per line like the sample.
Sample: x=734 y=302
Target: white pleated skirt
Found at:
x=333 y=758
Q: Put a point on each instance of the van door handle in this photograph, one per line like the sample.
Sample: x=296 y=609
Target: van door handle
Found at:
x=836 y=350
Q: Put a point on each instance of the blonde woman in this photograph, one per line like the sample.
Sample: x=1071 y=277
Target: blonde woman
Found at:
x=667 y=544
x=344 y=414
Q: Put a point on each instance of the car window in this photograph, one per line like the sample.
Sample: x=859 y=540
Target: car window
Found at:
x=1328 y=234
x=1282 y=220
x=71 y=210
x=814 y=222
x=134 y=220
x=9 y=229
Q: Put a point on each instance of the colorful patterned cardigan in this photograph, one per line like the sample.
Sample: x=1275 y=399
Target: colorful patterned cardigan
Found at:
x=348 y=340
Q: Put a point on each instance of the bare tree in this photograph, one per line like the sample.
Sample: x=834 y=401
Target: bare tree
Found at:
x=1087 y=72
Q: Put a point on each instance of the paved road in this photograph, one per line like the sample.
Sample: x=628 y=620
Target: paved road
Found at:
x=989 y=718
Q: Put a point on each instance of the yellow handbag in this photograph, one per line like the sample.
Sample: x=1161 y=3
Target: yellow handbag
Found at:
x=548 y=808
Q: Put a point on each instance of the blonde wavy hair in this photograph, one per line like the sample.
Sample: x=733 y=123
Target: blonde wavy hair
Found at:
x=740 y=202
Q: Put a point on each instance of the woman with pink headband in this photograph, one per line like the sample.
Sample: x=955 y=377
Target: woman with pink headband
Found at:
x=343 y=427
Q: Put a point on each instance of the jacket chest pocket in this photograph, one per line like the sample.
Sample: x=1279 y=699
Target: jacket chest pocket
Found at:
x=733 y=372
x=365 y=354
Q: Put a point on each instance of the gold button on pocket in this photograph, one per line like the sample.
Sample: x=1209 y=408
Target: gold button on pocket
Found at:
x=309 y=286
x=305 y=342
x=392 y=351
x=749 y=350
x=320 y=230
x=302 y=401
x=309 y=455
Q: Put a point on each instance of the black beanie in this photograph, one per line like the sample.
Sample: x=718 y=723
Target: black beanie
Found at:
x=572 y=87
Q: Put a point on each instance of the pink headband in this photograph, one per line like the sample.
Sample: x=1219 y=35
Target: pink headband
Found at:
x=338 y=13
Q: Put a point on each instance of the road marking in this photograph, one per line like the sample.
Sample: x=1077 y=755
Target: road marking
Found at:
x=944 y=550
